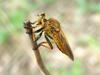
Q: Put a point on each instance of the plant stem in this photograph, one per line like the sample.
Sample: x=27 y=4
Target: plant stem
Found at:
x=31 y=33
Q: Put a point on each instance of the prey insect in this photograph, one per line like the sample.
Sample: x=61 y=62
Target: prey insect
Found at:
x=52 y=30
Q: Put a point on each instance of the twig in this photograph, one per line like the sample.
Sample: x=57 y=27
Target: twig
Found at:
x=30 y=32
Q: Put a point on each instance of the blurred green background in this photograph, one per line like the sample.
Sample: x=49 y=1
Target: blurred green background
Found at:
x=80 y=21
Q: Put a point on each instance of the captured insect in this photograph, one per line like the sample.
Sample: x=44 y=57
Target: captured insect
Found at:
x=52 y=30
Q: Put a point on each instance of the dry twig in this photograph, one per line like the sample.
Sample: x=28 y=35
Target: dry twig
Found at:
x=30 y=32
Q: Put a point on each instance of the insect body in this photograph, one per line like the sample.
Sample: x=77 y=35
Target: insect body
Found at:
x=52 y=30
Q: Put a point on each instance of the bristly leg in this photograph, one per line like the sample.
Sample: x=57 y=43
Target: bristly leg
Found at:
x=39 y=30
x=44 y=44
x=47 y=39
x=49 y=36
x=39 y=36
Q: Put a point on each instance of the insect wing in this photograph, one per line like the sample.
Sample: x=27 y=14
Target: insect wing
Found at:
x=62 y=43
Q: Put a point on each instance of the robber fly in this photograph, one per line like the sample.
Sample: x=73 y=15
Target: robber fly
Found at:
x=52 y=30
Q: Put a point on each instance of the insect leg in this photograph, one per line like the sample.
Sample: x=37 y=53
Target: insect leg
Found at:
x=46 y=37
x=39 y=36
x=49 y=36
x=38 y=30
x=44 y=44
